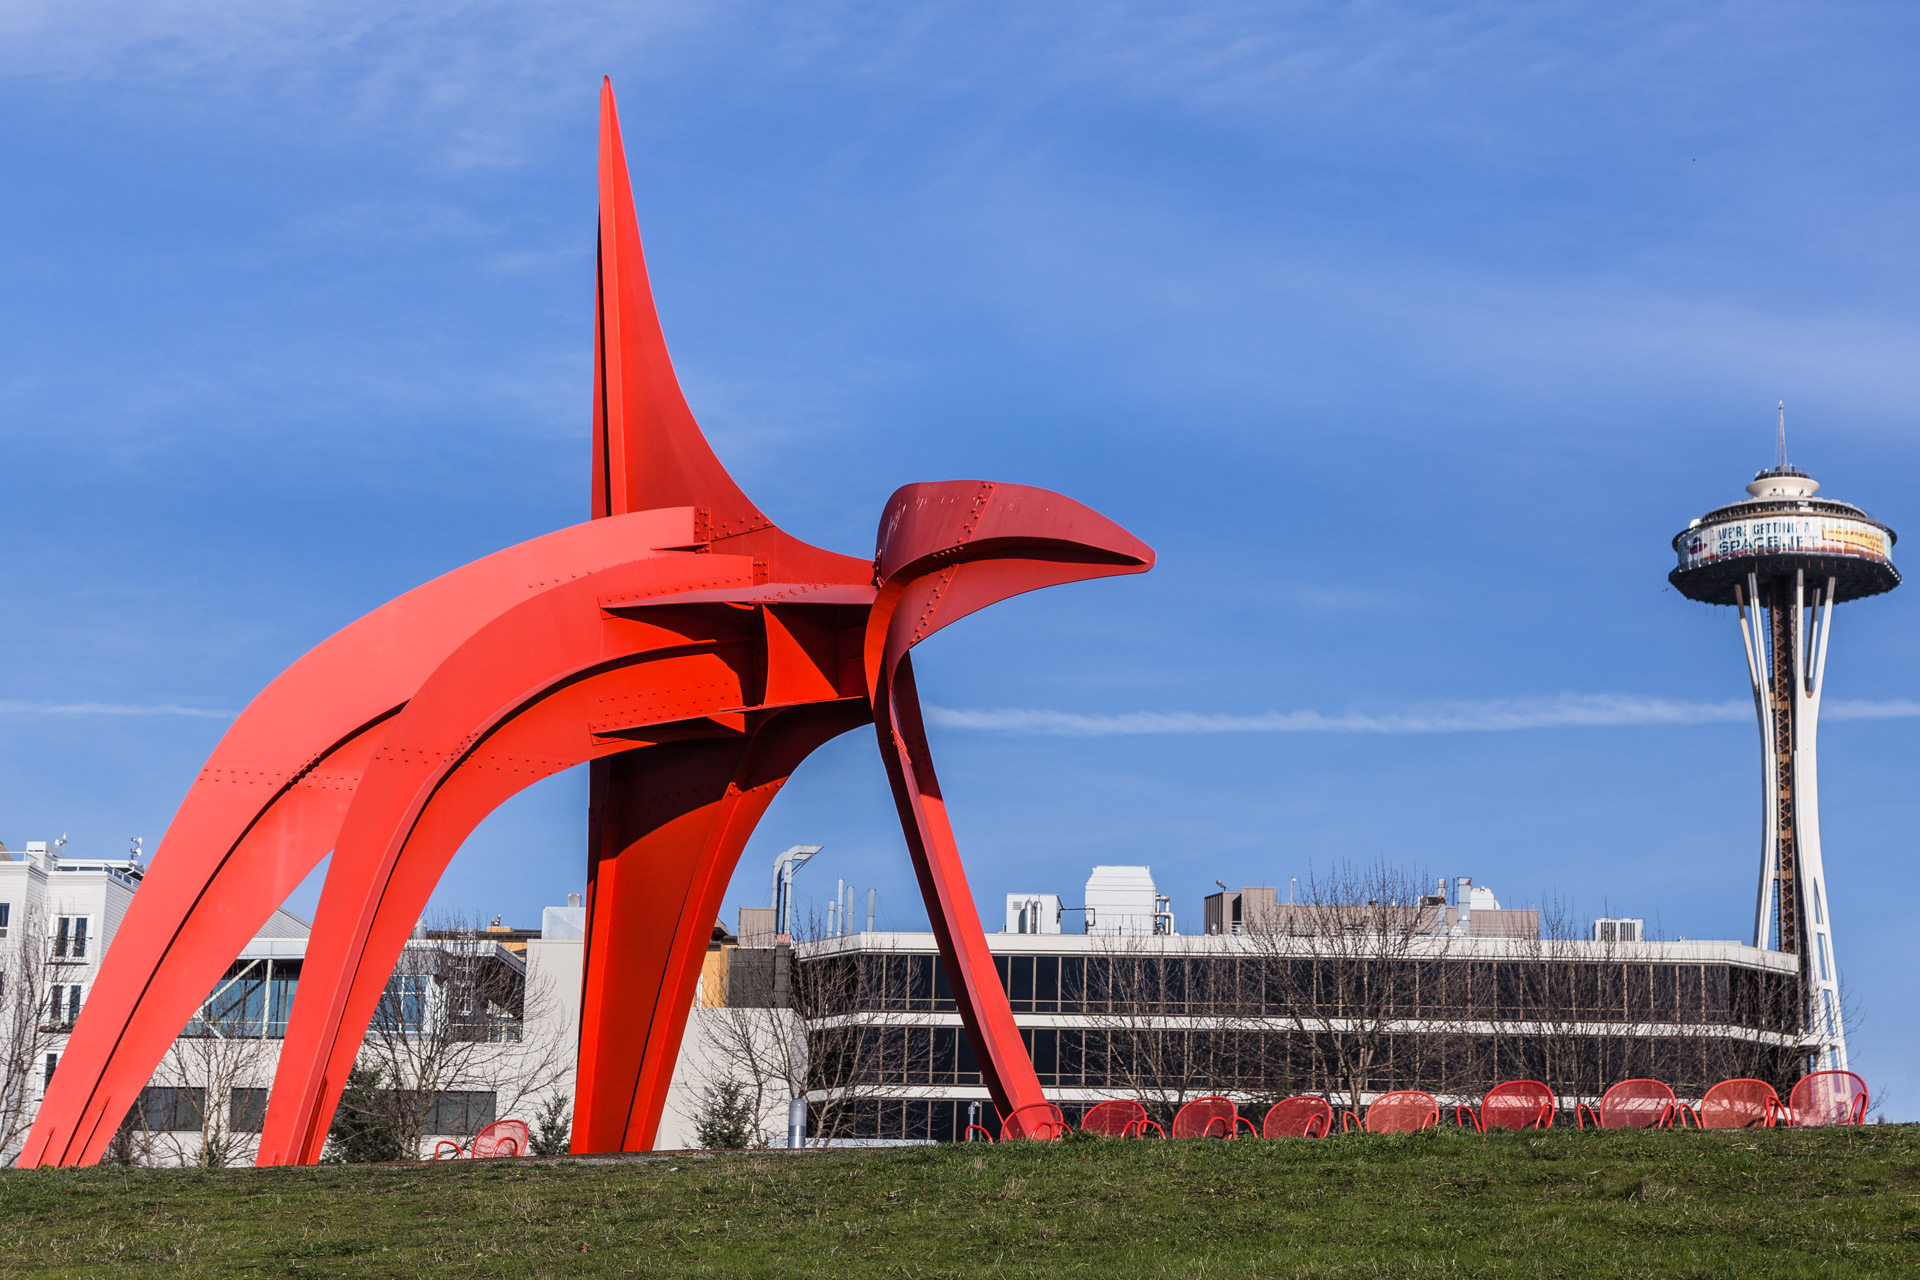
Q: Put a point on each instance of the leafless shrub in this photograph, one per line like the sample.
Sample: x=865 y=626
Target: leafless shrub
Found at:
x=449 y=1025
x=29 y=1028
x=1342 y=968
x=796 y=1024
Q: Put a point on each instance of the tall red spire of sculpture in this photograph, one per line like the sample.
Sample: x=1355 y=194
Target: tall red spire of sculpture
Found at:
x=689 y=650
x=648 y=450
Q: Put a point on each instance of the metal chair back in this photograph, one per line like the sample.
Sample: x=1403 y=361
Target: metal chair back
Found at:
x=1213 y=1117
x=1739 y=1104
x=1302 y=1117
x=1828 y=1097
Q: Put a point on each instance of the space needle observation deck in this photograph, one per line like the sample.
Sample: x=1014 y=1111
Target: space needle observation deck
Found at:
x=1794 y=556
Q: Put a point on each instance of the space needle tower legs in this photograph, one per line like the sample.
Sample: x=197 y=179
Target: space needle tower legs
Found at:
x=1783 y=558
x=1787 y=666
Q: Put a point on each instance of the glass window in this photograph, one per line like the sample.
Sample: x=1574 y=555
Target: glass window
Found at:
x=969 y=1066
x=1173 y=984
x=1046 y=983
x=248 y=1110
x=942 y=992
x=6 y=917
x=1639 y=997
x=460 y=1113
x=285 y=980
x=920 y=982
x=172 y=1108
x=1020 y=990
x=1686 y=992
x=1046 y=1053
x=1073 y=984
x=945 y=1056
x=403 y=1008
x=1071 y=1056
x=70 y=937
x=919 y=1054
x=1666 y=1005
x=1099 y=983
x=63 y=1003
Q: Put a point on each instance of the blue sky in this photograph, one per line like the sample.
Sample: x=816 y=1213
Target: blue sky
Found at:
x=1407 y=336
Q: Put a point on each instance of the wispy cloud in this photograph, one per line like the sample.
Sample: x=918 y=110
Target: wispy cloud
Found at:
x=1571 y=710
x=15 y=707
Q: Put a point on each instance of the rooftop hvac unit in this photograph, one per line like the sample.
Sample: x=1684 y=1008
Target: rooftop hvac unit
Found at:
x=1033 y=913
x=1621 y=929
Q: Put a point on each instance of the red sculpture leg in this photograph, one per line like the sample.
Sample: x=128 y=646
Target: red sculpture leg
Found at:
x=656 y=888
x=1004 y=1063
x=946 y=550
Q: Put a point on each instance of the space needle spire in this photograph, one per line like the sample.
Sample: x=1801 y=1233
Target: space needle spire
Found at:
x=1788 y=556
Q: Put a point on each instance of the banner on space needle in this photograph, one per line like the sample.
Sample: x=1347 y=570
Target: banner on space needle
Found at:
x=1818 y=535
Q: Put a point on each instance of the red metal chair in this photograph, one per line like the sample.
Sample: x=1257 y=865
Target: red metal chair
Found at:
x=1038 y=1120
x=1631 y=1104
x=1827 y=1097
x=1298 y=1118
x=501 y=1138
x=1118 y=1118
x=1402 y=1111
x=1213 y=1117
x=1516 y=1104
x=1735 y=1104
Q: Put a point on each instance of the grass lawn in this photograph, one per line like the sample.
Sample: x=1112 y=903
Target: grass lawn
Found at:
x=1822 y=1203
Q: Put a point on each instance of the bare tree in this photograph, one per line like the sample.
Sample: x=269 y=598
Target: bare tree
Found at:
x=1582 y=1013
x=213 y=1081
x=446 y=1037
x=1362 y=953
x=795 y=1025
x=1172 y=1027
x=1539 y=1012
x=30 y=1027
x=757 y=1039
x=855 y=1050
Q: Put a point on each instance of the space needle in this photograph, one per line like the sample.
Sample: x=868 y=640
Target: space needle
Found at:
x=1792 y=556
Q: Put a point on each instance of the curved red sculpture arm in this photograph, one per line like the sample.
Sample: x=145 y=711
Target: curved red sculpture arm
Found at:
x=946 y=550
x=394 y=842
x=266 y=808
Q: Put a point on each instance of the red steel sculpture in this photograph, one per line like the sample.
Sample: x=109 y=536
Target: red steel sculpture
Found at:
x=688 y=649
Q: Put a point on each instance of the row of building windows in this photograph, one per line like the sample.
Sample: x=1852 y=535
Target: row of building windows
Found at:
x=253 y=998
x=1282 y=1061
x=1596 y=990
x=183 y=1109
x=70 y=933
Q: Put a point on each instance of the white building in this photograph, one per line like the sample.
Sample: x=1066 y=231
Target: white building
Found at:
x=59 y=914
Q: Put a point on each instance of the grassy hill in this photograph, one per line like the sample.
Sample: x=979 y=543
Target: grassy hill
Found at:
x=1815 y=1203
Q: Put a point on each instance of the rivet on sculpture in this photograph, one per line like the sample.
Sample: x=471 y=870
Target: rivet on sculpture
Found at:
x=679 y=642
